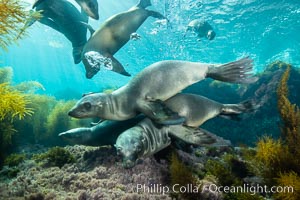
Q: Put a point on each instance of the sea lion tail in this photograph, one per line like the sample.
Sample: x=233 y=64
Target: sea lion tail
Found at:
x=234 y=72
x=233 y=111
x=144 y=3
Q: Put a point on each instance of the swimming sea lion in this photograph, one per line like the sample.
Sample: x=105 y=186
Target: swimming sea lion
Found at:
x=202 y=28
x=197 y=109
x=146 y=139
x=90 y=7
x=113 y=35
x=64 y=17
x=156 y=83
x=105 y=133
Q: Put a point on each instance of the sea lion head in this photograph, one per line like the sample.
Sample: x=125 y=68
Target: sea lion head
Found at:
x=211 y=34
x=91 y=105
x=90 y=7
x=93 y=60
x=129 y=146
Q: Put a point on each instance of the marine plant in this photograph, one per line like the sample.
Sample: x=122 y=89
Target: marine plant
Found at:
x=6 y=74
x=277 y=161
x=59 y=121
x=271 y=158
x=33 y=129
x=12 y=15
x=180 y=174
x=14 y=159
x=287 y=180
x=290 y=117
x=55 y=156
x=13 y=103
x=228 y=170
x=29 y=86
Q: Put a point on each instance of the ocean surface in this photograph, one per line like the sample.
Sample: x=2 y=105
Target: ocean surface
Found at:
x=265 y=30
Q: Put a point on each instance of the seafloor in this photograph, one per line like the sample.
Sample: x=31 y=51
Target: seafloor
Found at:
x=97 y=174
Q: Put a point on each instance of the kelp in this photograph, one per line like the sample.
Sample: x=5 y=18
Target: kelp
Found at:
x=13 y=103
x=290 y=182
x=14 y=20
x=55 y=156
x=6 y=74
x=290 y=116
x=12 y=13
x=278 y=160
x=180 y=174
x=29 y=86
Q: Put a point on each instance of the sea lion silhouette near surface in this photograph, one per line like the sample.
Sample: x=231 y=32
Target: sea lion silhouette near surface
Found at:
x=113 y=35
x=64 y=17
x=202 y=28
x=158 y=82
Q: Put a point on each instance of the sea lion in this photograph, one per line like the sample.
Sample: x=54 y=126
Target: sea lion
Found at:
x=90 y=7
x=64 y=17
x=113 y=35
x=197 y=109
x=202 y=28
x=146 y=92
x=146 y=139
x=105 y=133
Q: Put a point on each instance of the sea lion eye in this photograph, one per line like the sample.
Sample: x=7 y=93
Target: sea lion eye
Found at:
x=119 y=150
x=87 y=105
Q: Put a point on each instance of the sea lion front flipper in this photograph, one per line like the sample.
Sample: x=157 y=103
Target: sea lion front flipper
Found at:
x=118 y=67
x=160 y=113
x=155 y=14
x=191 y=135
x=51 y=23
x=89 y=27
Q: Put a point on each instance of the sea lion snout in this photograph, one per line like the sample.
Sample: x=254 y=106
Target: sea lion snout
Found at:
x=71 y=113
x=211 y=34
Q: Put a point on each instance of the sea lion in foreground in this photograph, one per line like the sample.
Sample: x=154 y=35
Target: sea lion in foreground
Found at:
x=202 y=28
x=64 y=17
x=113 y=35
x=158 y=82
x=105 y=133
x=146 y=139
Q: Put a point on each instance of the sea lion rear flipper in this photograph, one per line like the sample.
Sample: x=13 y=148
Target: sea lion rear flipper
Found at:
x=118 y=67
x=191 y=135
x=233 y=111
x=160 y=113
x=77 y=54
x=233 y=72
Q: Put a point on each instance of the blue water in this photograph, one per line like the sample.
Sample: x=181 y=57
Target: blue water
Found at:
x=265 y=30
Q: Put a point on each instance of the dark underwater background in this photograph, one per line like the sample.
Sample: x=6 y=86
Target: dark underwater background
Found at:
x=265 y=30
